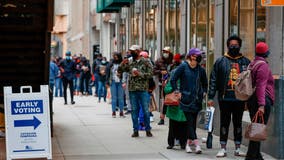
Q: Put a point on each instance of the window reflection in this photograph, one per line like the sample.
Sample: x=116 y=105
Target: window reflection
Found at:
x=260 y=22
x=234 y=17
x=151 y=34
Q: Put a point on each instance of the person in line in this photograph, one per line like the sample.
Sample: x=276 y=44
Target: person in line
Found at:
x=222 y=79
x=85 y=76
x=193 y=87
x=140 y=71
x=58 y=80
x=68 y=68
x=102 y=80
x=53 y=72
x=161 y=69
x=177 y=119
x=263 y=98
x=114 y=80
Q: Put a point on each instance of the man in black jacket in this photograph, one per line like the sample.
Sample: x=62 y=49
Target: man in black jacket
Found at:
x=222 y=79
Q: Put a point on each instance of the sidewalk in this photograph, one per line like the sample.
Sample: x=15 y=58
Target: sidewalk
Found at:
x=86 y=131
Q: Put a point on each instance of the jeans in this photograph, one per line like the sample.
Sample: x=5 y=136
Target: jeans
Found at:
x=231 y=110
x=253 y=152
x=84 y=80
x=76 y=84
x=58 y=86
x=96 y=83
x=117 y=94
x=137 y=99
x=102 y=90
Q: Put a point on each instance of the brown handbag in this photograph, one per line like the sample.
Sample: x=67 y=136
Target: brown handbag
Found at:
x=256 y=131
x=172 y=99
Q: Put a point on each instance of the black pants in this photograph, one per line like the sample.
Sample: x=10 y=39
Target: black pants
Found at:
x=177 y=130
x=65 y=84
x=191 y=118
x=231 y=110
x=253 y=152
x=85 y=78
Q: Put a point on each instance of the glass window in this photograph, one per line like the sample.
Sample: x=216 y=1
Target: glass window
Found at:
x=247 y=27
x=201 y=24
x=193 y=23
x=211 y=49
x=260 y=22
x=134 y=14
x=234 y=17
x=151 y=34
x=172 y=24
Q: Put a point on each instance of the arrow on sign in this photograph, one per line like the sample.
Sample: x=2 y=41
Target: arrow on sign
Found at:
x=27 y=123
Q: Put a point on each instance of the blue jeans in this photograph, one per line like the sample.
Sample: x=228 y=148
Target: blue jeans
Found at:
x=117 y=96
x=102 y=90
x=76 y=83
x=96 y=83
x=137 y=99
x=58 y=86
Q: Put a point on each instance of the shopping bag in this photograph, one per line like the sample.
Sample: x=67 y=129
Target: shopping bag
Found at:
x=209 y=118
x=256 y=131
x=172 y=99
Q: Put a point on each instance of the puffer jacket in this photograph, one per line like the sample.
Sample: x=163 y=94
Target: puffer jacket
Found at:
x=220 y=77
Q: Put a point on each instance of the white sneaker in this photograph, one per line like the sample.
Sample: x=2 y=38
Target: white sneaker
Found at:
x=239 y=153
x=222 y=153
x=151 y=119
x=198 y=150
x=188 y=149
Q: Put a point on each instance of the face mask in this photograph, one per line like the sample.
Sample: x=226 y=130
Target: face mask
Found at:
x=198 y=59
x=103 y=62
x=234 y=51
x=166 y=55
x=134 y=55
x=68 y=58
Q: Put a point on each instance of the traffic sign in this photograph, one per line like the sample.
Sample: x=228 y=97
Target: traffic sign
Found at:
x=268 y=3
x=27 y=123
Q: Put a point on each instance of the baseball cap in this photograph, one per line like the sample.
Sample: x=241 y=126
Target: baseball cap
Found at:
x=144 y=54
x=135 y=47
x=167 y=48
x=262 y=49
x=68 y=53
x=194 y=51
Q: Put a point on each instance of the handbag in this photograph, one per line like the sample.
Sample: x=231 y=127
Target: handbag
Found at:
x=256 y=131
x=172 y=99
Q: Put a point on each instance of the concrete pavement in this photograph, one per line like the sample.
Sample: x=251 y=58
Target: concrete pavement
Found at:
x=86 y=131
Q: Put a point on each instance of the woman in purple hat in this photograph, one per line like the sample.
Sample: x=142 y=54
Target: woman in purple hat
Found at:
x=193 y=87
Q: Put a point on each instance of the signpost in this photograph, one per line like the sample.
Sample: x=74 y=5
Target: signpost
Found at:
x=27 y=123
x=268 y=3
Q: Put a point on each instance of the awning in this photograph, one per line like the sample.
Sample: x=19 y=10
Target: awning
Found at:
x=102 y=8
x=118 y=3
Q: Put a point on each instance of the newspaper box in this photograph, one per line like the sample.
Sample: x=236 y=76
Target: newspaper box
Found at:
x=27 y=121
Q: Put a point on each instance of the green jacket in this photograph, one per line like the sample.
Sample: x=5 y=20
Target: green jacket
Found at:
x=140 y=82
x=173 y=112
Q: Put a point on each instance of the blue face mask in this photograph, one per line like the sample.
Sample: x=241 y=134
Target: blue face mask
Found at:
x=68 y=57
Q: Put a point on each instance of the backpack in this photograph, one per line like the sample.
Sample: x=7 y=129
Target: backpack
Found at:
x=243 y=85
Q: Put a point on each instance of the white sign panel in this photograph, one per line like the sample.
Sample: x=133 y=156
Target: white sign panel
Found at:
x=27 y=123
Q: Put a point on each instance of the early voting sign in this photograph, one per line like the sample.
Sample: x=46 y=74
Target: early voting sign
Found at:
x=27 y=123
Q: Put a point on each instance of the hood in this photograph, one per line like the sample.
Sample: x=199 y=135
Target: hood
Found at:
x=227 y=55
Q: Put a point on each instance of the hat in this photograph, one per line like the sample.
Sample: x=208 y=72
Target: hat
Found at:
x=262 y=49
x=135 y=47
x=177 y=57
x=144 y=54
x=167 y=48
x=68 y=53
x=194 y=51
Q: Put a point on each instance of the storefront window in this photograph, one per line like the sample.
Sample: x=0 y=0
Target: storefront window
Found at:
x=172 y=24
x=201 y=24
x=193 y=23
x=234 y=17
x=151 y=34
x=260 y=22
x=134 y=14
x=211 y=49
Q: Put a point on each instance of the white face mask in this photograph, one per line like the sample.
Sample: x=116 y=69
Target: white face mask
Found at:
x=166 y=55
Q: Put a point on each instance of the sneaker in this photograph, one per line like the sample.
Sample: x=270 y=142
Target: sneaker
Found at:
x=161 y=122
x=151 y=119
x=222 y=153
x=239 y=153
x=121 y=115
x=73 y=102
x=149 y=134
x=2 y=134
x=113 y=115
x=170 y=147
x=135 y=134
x=127 y=112
x=188 y=149
x=198 y=150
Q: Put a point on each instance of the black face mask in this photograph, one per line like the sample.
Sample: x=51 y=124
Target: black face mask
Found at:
x=134 y=55
x=198 y=59
x=234 y=51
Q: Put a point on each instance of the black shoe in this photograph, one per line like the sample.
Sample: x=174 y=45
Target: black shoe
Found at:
x=73 y=102
x=65 y=103
x=127 y=112
x=170 y=147
x=149 y=134
x=182 y=147
x=135 y=134
x=162 y=122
